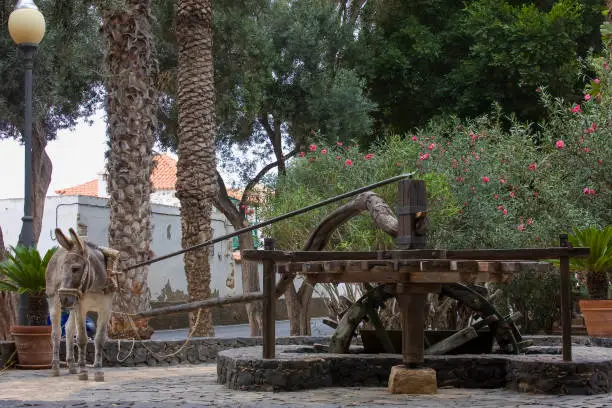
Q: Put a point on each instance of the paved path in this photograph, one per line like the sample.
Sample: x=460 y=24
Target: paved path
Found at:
x=195 y=387
x=242 y=330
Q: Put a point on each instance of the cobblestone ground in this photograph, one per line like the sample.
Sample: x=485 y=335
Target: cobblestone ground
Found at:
x=195 y=386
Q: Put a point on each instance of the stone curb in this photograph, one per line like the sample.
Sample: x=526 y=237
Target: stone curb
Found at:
x=302 y=368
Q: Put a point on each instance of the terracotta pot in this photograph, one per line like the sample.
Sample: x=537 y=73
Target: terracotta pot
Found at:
x=34 y=347
x=597 y=317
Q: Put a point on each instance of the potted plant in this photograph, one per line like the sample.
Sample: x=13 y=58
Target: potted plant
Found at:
x=23 y=271
x=597 y=311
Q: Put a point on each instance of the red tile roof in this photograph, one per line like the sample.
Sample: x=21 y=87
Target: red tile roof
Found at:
x=89 y=189
x=163 y=177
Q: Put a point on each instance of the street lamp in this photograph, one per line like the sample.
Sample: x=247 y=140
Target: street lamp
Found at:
x=26 y=26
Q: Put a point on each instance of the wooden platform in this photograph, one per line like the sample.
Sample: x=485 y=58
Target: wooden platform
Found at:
x=411 y=271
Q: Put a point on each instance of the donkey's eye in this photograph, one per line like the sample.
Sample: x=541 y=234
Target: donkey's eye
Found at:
x=75 y=269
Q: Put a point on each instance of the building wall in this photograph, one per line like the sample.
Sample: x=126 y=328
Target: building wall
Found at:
x=60 y=211
x=90 y=217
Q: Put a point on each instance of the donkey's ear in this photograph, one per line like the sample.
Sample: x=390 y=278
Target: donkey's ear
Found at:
x=63 y=241
x=80 y=245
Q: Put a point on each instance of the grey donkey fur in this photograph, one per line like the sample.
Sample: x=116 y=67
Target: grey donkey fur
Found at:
x=77 y=280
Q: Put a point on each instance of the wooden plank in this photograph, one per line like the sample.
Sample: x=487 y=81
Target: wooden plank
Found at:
x=269 y=302
x=566 y=302
x=452 y=342
x=202 y=304
x=465 y=254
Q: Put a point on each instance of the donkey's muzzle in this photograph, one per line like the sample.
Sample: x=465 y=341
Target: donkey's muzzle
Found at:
x=68 y=301
x=68 y=297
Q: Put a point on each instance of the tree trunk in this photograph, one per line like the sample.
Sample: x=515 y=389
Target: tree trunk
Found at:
x=8 y=304
x=196 y=186
x=131 y=106
x=41 y=177
x=250 y=283
x=382 y=216
x=250 y=274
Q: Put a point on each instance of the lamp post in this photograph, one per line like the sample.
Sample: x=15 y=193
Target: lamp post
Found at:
x=26 y=26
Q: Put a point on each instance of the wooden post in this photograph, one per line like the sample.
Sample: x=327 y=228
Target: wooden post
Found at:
x=411 y=200
x=269 y=301
x=566 y=301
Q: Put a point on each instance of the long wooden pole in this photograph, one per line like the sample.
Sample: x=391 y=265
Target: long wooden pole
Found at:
x=411 y=200
x=202 y=304
x=269 y=315
x=566 y=302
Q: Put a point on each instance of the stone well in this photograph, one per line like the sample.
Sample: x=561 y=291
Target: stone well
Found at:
x=303 y=367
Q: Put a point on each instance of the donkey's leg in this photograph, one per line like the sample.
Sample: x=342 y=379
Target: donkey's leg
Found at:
x=80 y=314
x=70 y=330
x=55 y=313
x=100 y=339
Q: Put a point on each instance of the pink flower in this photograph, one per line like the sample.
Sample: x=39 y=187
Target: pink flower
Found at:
x=560 y=144
x=596 y=80
x=339 y=143
x=348 y=162
x=431 y=146
x=310 y=159
x=521 y=228
x=591 y=191
x=477 y=158
x=414 y=138
x=576 y=109
x=587 y=97
x=599 y=161
x=530 y=221
x=496 y=196
x=505 y=211
x=369 y=156
x=323 y=151
x=313 y=147
x=337 y=157
x=502 y=181
x=586 y=150
x=512 y=194
x=586 y=190
x=424 y=156
x=302 y=154
x=500 y=207
x=532 y=166
x=485 y=179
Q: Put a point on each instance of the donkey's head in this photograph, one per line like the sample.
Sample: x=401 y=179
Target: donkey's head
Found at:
x=73 y=270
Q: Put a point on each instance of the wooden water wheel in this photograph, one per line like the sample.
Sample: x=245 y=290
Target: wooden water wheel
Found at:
x=503 y=327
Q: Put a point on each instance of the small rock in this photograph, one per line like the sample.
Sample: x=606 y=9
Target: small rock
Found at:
x=403 y=380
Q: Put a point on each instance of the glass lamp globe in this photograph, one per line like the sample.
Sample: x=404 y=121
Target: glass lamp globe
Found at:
x=26 y=23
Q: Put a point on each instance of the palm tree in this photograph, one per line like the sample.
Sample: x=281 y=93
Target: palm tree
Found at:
x=131 y=106
x=196 y=185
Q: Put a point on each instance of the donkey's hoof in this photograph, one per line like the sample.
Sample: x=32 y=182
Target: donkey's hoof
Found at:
x=55 y=372
x=83 y=376
x=73 y=370
x=99 y=376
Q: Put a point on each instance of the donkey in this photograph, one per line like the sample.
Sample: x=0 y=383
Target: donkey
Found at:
x=77 y=280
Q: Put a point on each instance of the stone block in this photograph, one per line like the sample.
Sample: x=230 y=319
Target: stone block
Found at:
x=404 y=380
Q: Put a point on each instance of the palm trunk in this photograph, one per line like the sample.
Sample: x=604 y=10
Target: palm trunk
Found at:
x=196 y=185
x=131 y=108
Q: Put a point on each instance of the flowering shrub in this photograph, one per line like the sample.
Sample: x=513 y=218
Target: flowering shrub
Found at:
x=315 y=176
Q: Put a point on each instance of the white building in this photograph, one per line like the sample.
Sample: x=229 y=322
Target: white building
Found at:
x=85 y=208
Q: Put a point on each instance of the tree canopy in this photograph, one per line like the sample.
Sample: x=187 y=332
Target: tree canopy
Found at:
x=66 y=69
x=429 y=57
